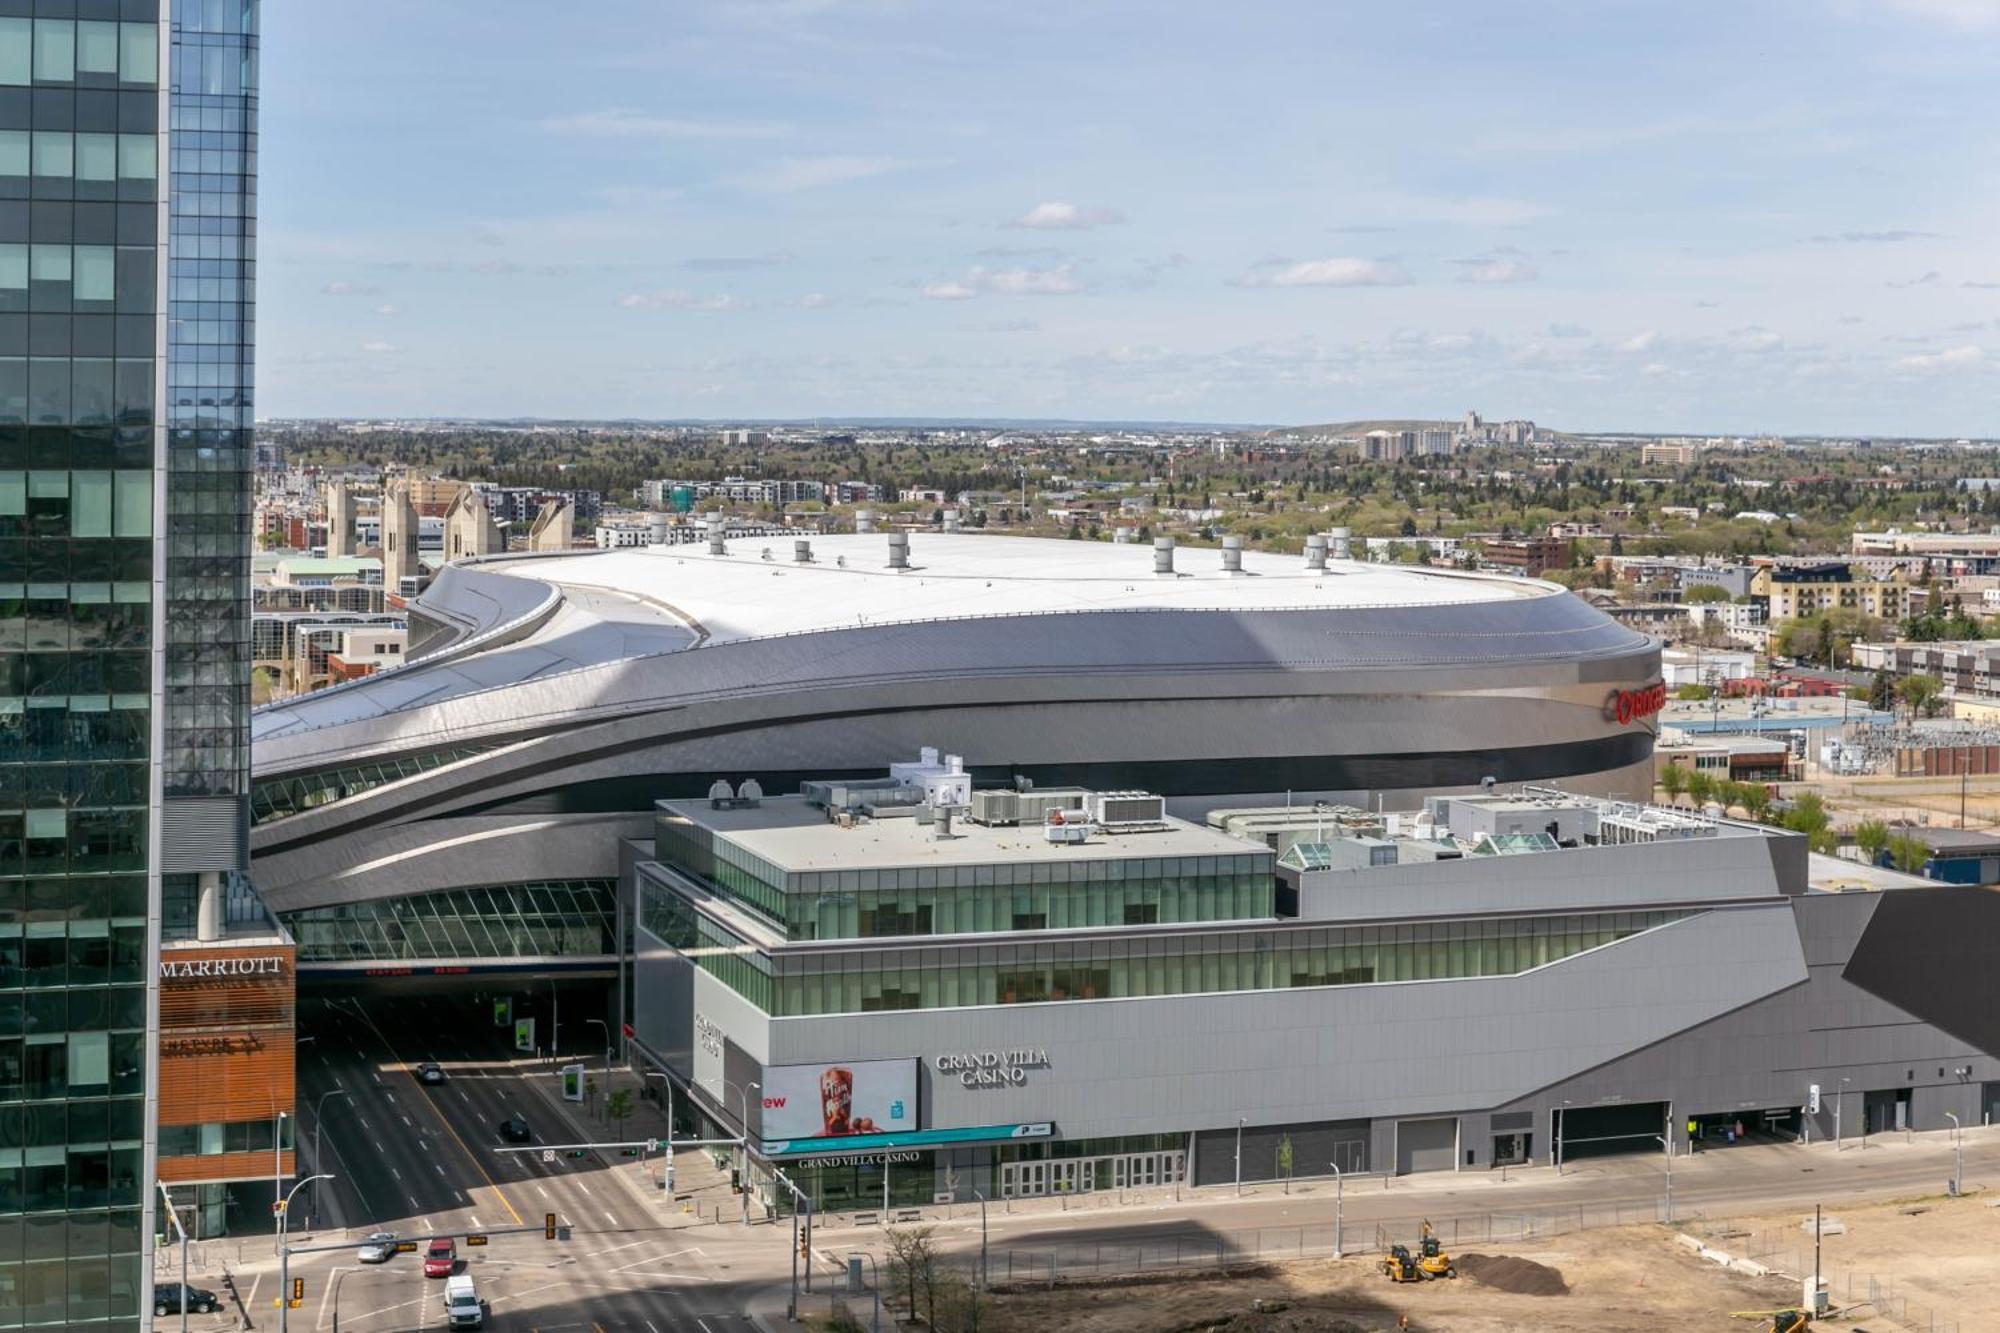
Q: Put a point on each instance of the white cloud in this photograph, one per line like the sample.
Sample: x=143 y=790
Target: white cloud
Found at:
x=1640 y=342
x=1656 y=368
x=1498 y=271
x=619 y=124
x=1059 y=280
x=345 y=288
x=387 y=310
x=815 y=301
x=1469 y=211
x=1952 y=358
x=1327 y=273
x=677 y=300
x=1968 y=15
x=1562 y=330
x=1061 y=216
x=789 y=174
x=378 y=347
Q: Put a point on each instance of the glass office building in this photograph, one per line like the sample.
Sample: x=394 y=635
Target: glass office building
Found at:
x=127 y=156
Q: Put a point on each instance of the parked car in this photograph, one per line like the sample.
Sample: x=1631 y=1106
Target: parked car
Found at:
x=515 y=1129
x=430 y=1071
x=169 y=1297
x=441 y=1258
x=378 y=1248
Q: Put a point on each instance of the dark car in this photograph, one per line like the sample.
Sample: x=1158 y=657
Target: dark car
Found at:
x=430 y=1071
x=515 y=1129
x=167 y=1299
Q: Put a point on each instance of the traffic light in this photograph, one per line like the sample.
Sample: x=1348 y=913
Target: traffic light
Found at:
x=298 y=1292
x=548 y=1226
x=805 y=1245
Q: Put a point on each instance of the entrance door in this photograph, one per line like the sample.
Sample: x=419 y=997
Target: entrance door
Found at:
x=1024 y=1180
x=1073 y=1175
x=1426 y=1145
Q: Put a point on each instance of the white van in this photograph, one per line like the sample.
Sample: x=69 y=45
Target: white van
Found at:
x=461 y=1303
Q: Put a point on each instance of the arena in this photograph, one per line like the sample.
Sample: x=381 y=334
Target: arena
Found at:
x=552 y=700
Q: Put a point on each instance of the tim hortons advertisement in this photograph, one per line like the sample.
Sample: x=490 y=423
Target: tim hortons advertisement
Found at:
x=824 y=1101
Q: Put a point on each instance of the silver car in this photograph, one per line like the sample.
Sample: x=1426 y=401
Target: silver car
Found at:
x=379 y=1248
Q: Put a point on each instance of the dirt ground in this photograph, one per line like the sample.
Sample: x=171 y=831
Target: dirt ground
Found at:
x=1633 y=1278
x=1936 y=1253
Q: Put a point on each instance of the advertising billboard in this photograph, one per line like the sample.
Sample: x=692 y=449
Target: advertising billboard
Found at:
x=840 y=1098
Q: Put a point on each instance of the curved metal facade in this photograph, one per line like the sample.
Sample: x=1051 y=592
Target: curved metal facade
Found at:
x=1207 y=706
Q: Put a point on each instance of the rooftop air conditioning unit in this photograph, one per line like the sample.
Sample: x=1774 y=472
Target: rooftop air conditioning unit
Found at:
x=1114 y=808
x=1071 y=829
x=996 y=806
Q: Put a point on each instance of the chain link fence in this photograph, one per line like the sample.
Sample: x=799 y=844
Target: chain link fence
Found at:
x=1791 y=1254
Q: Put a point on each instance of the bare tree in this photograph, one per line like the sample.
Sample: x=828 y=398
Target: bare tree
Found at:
x=913 y=1268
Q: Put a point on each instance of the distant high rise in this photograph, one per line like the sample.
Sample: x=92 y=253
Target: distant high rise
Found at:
x=127 y=187
x=339 y=521
x=399 y=536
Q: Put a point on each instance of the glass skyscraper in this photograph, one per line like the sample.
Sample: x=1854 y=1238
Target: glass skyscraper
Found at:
x=127 y=168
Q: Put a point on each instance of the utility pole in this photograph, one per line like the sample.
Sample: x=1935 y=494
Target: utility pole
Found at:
x=1667 y=1143
x=1239 y=1157
x=1958 y=1156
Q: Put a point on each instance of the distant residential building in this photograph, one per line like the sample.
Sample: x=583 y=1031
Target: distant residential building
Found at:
x=1531 y=556
x=363 y=652
x=1672 y=453
x=1687 y=513
x=1705 y=666
x=681 y=493
x=1732 y=579
x=1966 y=666
x=522 y=504
x=618 y=536
x=1794 y=592
x=305 y=571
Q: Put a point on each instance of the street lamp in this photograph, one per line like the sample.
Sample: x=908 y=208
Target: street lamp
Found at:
x=1667 y=1144
x=1239 y=1156
x=180 y=1226
x=1839 y=1100
x=1562 y=1126
x=1958 y=1156
x=285 y=1255
x=667 y=1181
x=607 y=1051
x=318 y=1121
x=1339 y=1189
x=877 y=1325
x=983 y=1279
x=278 y=1164
x=743 y=1104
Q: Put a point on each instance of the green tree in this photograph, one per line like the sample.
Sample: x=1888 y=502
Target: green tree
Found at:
x=1701 y=787
x=1756 y=799
x=1908 y=853
x=1285 y=1161
x=1872 y=837
x=1922 y=694
x=1704 y=592
x=618 y=1106
x=1694 y=693
x=1882 y=692
x=1674 y=778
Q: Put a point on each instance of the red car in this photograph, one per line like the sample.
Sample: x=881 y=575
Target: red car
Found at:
x=441 y=1259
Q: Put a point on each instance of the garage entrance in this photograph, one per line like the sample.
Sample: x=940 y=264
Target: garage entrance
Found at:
x=1605 y=1131
x=1426 y=1145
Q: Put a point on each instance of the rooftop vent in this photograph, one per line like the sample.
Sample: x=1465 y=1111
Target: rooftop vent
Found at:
x=864 y=520
x=1232 y=555
x=1163 y=555
x=1341 y=541
x=951 y=520
x=656 y=530
x=1316 y=552
x=899 y=550
x=802 y=552
x=715 y=535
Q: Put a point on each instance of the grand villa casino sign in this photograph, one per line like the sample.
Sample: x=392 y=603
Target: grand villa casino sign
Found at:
x=991 y=1069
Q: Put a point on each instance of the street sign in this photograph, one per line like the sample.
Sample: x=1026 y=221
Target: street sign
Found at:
x=406 y=1247
x=1812 y=1099
x=548 y=1154
x=503 y=1011
x=524 y=1034
x=652 y=1145
x=277 y=1207
x=474 y=1238
x=572 y=1083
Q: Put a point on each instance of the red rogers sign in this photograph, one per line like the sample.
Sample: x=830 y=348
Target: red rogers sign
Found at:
x=1630 y=705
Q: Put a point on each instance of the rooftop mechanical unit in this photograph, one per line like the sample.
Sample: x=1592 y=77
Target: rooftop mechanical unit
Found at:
x=1128 y=809
x=1003 y=806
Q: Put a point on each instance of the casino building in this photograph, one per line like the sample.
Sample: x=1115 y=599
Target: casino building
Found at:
x=904 y=987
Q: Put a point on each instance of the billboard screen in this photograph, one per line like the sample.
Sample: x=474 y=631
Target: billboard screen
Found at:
x=839 y=1098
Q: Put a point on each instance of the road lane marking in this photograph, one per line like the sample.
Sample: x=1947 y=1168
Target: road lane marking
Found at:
x=626 y=1246
x=425 y=1220
x=423 y=1145
x=609 y=1218
x=394 y=1172
x=475 y=1219
x=477 y=1165
x=539 y=1190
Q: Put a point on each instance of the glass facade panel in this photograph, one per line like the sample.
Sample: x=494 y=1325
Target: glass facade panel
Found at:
x=278 y=798
x=541 y=919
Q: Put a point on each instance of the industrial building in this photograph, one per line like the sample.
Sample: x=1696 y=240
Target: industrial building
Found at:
x=904 y=989
x=549 y=702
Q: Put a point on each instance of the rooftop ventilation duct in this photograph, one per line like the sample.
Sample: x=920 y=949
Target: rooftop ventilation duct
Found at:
x=1315 y=552
x=864 y=520
x=899 y=550
x=1232 y=555
x=951 y=520
x=657 y=531
x=802 y=552
x=715 y=535
x=1341 y=541
x=1163 y=555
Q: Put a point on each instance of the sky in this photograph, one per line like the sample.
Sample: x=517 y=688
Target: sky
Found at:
x=1748 y=216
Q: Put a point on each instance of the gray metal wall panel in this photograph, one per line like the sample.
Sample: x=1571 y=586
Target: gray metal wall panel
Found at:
x=1400 y=1049
x=200 y=833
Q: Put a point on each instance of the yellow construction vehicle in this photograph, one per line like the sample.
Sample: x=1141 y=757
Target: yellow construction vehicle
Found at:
x=1398 y=1266
x=1432 y=1261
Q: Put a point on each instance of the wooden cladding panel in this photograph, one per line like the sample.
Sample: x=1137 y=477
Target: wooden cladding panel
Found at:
x=225 y=1166
x=233 y=1076
x=226 y=997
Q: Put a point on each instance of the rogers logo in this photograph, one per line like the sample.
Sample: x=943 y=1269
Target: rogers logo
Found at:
x=774 y=1103
x=1628 y=706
